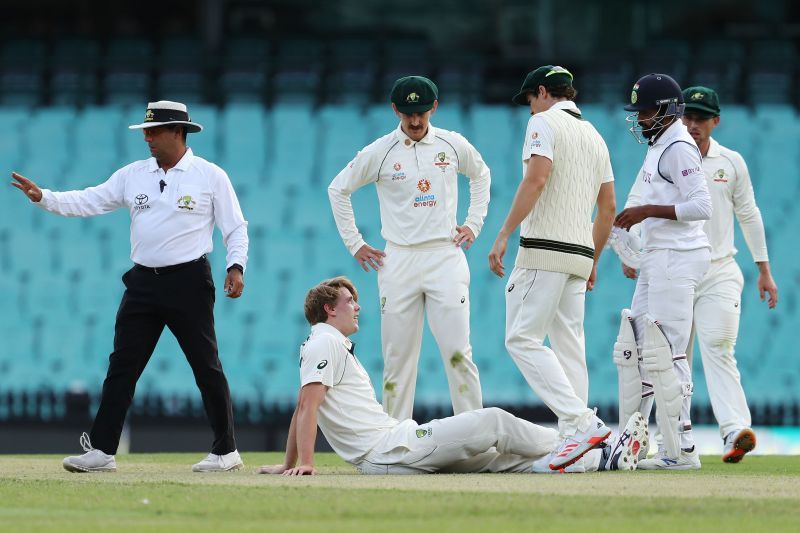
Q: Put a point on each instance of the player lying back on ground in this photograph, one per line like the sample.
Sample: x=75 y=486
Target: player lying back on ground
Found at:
x=337 y=394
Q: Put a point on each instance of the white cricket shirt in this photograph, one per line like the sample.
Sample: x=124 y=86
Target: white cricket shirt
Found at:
x=350 y=417
x=732 y=193
x=672 y=175
x=169 y=227
x=417 y=187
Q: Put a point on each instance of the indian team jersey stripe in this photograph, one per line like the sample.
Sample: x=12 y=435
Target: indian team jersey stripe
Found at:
x=658 y=166
x=556 y=246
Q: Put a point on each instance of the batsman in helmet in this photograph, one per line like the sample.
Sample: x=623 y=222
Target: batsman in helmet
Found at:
x=650 y=352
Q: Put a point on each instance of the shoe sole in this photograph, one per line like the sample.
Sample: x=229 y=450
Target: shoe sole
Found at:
x=231 y=469
x=628 y=457
x=590 y=444
x=745 y=442
x=69 y=467
x=644 y=444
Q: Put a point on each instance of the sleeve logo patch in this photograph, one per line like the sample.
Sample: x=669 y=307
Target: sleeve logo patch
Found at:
x=690 y=171
x=322 y=364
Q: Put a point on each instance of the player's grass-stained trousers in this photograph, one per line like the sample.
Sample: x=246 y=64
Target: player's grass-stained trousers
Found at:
x=433 y=281
x=485 y=440
x=182 y=300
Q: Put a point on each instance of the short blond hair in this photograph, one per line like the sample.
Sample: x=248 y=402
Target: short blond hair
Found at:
x=326 y=293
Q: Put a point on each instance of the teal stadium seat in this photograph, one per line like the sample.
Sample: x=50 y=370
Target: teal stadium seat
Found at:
x=62 y=277
x=206 y=143
x=242 y=130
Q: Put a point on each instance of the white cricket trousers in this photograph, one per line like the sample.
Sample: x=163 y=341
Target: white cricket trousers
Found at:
x=665 y=292
x=716 y=323
x=414 y=281
x=543 y=304
x=486 y=440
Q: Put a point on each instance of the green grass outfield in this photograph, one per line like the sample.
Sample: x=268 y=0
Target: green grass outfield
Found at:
x=159 y=492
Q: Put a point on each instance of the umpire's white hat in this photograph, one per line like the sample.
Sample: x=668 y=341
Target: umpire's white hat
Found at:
x=164 y=113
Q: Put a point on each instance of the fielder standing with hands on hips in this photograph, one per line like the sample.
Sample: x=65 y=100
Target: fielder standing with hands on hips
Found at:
x=175 y=198
x=424 y=270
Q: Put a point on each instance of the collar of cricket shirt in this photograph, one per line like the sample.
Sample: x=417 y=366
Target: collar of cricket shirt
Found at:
x=672 y=131
x=713 y=148
x=323 y=328
x=183 y=164
x=407 y=141
x=565 y=104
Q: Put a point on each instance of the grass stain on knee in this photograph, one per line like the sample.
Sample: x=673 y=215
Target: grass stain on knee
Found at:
x=456 y=359
x=463 y=388
x=390 y=386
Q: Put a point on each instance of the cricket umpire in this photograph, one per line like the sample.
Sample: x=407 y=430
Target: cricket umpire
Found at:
x=175 y=198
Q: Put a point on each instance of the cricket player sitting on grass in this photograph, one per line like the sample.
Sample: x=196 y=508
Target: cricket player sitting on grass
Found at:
x=337 y=394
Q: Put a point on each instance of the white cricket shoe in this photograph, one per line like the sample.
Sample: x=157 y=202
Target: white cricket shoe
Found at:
x=91 y=461
x=574 y=447
x=660 y=461
x=737 y=444
x=219 y=463
x=542 y=466
x=624 y=451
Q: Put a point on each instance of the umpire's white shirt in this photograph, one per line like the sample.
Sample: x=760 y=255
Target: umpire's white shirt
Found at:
x=169 y=227
x=672 y=175
x=350 y=416
x=732 y=193
x=417 y=187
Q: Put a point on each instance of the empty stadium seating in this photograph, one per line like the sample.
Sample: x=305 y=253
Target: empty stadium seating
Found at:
x=60 y=277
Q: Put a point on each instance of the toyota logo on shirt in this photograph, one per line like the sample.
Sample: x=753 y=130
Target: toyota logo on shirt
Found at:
x=141 y=201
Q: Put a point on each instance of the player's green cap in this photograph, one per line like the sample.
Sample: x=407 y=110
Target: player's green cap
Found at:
x=548 y=76
x=701 y=101
x=414 y=94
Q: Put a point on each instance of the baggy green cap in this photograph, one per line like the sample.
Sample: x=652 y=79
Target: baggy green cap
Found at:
x=414 y=94
x=548 y=76
x=701 y=101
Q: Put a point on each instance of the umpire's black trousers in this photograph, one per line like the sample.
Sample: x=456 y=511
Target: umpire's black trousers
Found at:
x=183 y=300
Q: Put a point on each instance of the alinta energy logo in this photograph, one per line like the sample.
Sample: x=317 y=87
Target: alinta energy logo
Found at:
x=398 y=174
x=140 y=202
x=424 y=200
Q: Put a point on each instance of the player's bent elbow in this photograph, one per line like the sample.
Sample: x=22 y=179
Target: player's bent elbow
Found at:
x=707 y=211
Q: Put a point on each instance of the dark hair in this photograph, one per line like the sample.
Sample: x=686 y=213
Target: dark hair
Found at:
x=326 y=293
x=184 y=131
x=562 y=91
